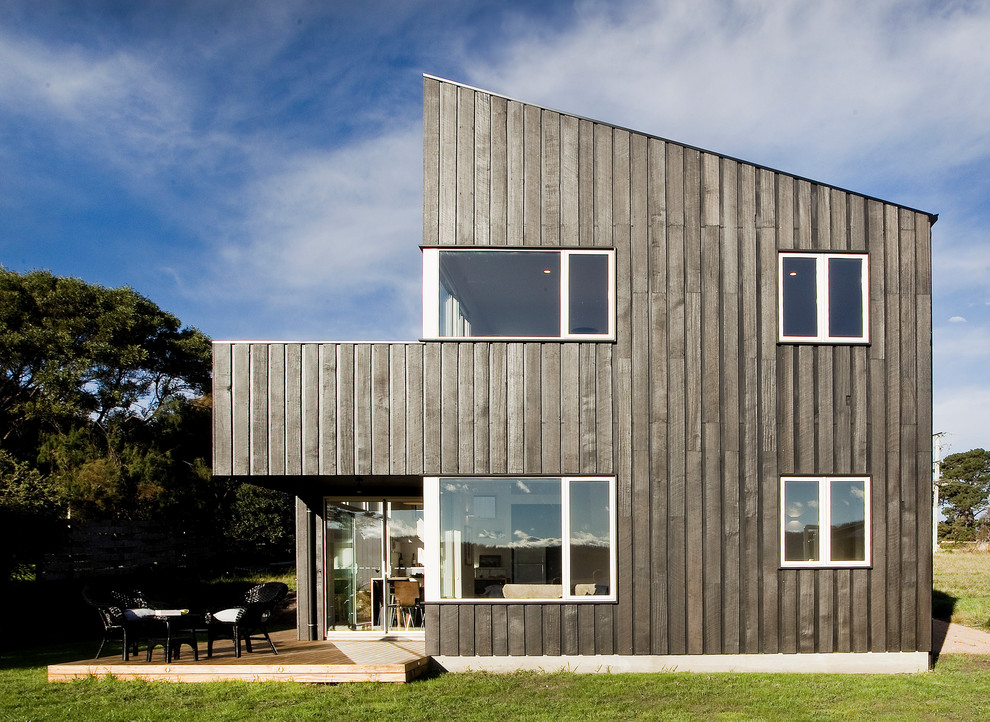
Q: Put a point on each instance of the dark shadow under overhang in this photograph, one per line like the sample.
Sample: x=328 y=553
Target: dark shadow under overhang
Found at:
x=363 y=485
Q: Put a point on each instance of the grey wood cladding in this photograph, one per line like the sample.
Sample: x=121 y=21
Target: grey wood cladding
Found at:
x=695 y=408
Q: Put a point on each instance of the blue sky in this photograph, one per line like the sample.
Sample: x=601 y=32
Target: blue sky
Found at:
x=255 y=167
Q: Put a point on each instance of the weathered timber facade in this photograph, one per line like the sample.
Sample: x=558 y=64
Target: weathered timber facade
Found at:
x=695 y=408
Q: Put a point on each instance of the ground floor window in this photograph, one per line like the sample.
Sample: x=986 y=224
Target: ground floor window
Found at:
x=520 y=538
x=825 y=521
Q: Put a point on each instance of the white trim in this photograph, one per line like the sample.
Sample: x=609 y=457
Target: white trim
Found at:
x=315 y=342
x=823 y=302
x=365 y=635
x=431 y=547
x=835 y=663
x=431 y=293
x=431 y=541
x=825 y=523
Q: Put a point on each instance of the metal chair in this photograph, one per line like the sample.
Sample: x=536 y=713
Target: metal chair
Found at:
x=116 y=624
x=237 y=623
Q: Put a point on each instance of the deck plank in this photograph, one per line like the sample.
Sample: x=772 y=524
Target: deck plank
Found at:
x=297 y=661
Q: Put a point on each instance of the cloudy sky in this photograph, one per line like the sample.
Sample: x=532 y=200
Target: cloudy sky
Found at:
x=255 y=167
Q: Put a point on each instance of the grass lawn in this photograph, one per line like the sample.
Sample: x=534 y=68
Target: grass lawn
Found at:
x=959 y=688
x=962 y=587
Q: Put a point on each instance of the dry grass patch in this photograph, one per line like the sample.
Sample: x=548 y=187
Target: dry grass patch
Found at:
x=962 y=587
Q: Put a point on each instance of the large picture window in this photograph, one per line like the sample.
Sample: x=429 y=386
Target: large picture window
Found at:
x=518 y=293
x=824 y=297
x=825 y=521
x=520 y=538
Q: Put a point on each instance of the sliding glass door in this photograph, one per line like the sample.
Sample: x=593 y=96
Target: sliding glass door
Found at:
x=370 y=545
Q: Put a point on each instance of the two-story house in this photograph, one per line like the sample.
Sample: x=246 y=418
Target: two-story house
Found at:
x=670 y=409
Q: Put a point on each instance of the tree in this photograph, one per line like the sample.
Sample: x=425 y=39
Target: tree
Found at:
x=30 y=516
x=105 y=414
x=101 y=407
x=964 y=494
x=260 y=522
x=73 y=351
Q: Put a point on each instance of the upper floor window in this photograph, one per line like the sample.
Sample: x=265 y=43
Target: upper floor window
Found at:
x=825 y=521
x=518 y=293
x=824 y=297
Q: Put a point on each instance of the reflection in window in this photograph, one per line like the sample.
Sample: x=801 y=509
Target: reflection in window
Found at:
x=545 y=538
x=845 y=293
x=801 y=521
x=825 y=521
x=517 y=293
x=823 y=297
x=800 y=289
x=589 y=535
x=847 y=520
x=588 y=293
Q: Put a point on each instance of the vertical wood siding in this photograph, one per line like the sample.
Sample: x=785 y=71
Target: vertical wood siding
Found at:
x=371 y=409
x=696 y=409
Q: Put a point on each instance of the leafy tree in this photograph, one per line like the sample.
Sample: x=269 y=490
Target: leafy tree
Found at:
x=105 y=414
x=102 y=406
x=31 y=514
x=964 y=494
x=260 y=522
x=71 y=351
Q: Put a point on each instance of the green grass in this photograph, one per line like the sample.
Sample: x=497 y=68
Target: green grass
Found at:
x=959 y=688
x=962 y=587
x=287 y=576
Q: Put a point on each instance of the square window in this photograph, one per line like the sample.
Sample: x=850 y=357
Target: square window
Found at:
x=824 y=298
x=518 y=293
x=825 y=521
x=554 y=538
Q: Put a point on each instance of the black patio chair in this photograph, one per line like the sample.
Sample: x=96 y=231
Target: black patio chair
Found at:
x=238 y=623
x=128 y=629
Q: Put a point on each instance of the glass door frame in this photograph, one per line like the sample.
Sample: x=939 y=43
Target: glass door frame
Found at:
x=384 y=565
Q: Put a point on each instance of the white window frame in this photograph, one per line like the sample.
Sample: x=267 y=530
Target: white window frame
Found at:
x=821 y=284
x=431 y=292
x=825 y=523
x=431 y=546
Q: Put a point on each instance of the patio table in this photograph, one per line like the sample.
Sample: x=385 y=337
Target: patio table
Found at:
x=180 y=627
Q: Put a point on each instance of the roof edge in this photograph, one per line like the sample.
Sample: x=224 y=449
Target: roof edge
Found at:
x=932 y=217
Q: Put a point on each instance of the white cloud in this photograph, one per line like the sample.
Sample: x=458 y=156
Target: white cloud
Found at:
x=961 y=412
x=116 y=106
x=958 y=345
x=326 y=228
x=957 y=319
x=880 y=87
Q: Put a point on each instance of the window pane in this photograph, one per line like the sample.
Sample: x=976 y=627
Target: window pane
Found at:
x=845 y=297
x=499 y=293
x=848 y=520
x=589 y=537
x=800 y=521
x=800 y=293
x=588 y=293
x=520 y=543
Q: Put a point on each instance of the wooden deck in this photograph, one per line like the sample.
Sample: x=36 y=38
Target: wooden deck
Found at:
x=320 y=662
